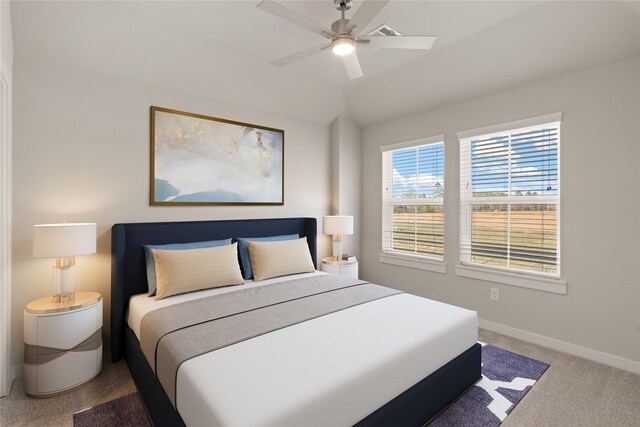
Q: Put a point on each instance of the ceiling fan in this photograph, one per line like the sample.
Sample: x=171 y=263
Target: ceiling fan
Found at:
x=344 y=33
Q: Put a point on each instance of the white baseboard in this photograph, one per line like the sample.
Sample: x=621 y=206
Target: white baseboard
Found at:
x=565 y=347
x=16 y=371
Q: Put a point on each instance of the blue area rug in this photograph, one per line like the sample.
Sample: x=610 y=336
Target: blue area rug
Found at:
x=506 y=378
x=126 y=411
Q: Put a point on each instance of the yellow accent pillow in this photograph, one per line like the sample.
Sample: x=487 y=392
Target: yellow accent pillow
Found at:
x=273 y=259
x=187 y=270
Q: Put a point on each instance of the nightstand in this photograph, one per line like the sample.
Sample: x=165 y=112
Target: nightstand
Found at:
x=341 y=268
x=62 y=344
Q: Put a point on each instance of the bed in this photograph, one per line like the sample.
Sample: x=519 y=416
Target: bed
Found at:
x=395 y=360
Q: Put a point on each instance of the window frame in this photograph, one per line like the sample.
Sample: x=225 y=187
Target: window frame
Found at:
x=551 y=282
x=427 y=262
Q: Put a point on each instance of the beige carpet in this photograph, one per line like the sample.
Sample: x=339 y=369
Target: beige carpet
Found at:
x=572 y=392
x=17 y=409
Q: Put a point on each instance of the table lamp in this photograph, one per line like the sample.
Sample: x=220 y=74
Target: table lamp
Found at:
x=63 y=242
x=337 y=225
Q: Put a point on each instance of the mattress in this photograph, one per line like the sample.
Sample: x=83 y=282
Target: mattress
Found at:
x=332 y=370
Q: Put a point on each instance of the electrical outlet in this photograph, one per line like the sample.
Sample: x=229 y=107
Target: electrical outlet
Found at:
x=495 y=294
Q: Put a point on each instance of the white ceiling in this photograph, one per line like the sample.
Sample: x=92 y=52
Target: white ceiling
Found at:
x=222 y=49
x=253 y=31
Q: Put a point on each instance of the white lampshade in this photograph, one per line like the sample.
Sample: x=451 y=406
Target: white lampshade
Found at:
x=337 y=224
x=64 y=240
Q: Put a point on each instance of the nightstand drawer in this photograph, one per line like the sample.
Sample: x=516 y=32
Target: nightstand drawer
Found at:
x=67 y=370
x=67 y=330
x=350 y=271
x=340 y=268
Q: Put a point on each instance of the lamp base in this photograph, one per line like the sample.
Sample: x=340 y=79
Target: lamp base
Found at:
x=63 y=279
x=337 y=246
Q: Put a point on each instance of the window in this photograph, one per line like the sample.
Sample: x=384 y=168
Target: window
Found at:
x=510 y=197
x=412 y=196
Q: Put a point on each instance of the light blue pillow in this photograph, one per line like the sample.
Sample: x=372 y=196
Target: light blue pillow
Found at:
x=243 y=250
x=151 y=267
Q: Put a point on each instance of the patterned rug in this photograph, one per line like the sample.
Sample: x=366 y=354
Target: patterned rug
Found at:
x=506 y=378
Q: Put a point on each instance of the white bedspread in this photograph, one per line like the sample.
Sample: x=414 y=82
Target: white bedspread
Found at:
x=330 y=371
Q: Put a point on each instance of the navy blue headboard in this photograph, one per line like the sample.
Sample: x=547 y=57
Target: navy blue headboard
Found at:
x=128 y=272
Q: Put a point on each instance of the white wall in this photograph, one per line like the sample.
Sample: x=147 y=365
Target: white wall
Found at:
x=81 y=153
x=346 y=174
x=600 y=211
x=6 y=35
x=6 y=71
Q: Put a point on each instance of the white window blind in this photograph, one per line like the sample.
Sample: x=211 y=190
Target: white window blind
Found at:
x=412 y=196
x=510 y=199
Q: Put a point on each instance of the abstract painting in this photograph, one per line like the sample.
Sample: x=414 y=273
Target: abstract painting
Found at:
x=201 y=160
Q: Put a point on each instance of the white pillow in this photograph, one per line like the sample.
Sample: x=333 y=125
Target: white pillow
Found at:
x=187 y=270
x=273 y=259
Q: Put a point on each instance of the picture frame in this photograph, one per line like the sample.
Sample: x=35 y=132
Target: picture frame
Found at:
x=198 y=160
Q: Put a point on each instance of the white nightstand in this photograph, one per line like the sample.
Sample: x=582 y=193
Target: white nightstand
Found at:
x=341 y=268
x=62 y=344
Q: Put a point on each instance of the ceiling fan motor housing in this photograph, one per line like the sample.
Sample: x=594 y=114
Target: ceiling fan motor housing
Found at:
x=340 y=26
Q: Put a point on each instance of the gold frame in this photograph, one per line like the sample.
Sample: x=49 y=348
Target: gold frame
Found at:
x=153 y=202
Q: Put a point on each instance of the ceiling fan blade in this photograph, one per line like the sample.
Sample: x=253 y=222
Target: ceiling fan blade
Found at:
x=300 y=55
x=352 y=65
x=368 y=10
x=399 y=42
x=295 y=18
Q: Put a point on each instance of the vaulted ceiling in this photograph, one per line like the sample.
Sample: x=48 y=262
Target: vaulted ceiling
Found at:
x=223 y=50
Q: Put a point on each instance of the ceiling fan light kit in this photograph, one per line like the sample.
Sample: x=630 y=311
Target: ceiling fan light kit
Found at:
x=343 y=46
x=344 y=33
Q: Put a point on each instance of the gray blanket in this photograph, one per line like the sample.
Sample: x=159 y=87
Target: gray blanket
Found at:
x=172 y=335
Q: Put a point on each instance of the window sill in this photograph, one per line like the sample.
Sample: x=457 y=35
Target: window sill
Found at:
x=523 y=280
x=414 y=262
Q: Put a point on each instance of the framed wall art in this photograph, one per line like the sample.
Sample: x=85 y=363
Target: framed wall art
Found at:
x=201 y=160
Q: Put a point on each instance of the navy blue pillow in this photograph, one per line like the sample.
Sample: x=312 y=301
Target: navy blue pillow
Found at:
x=151 y=267
x=243 y=250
